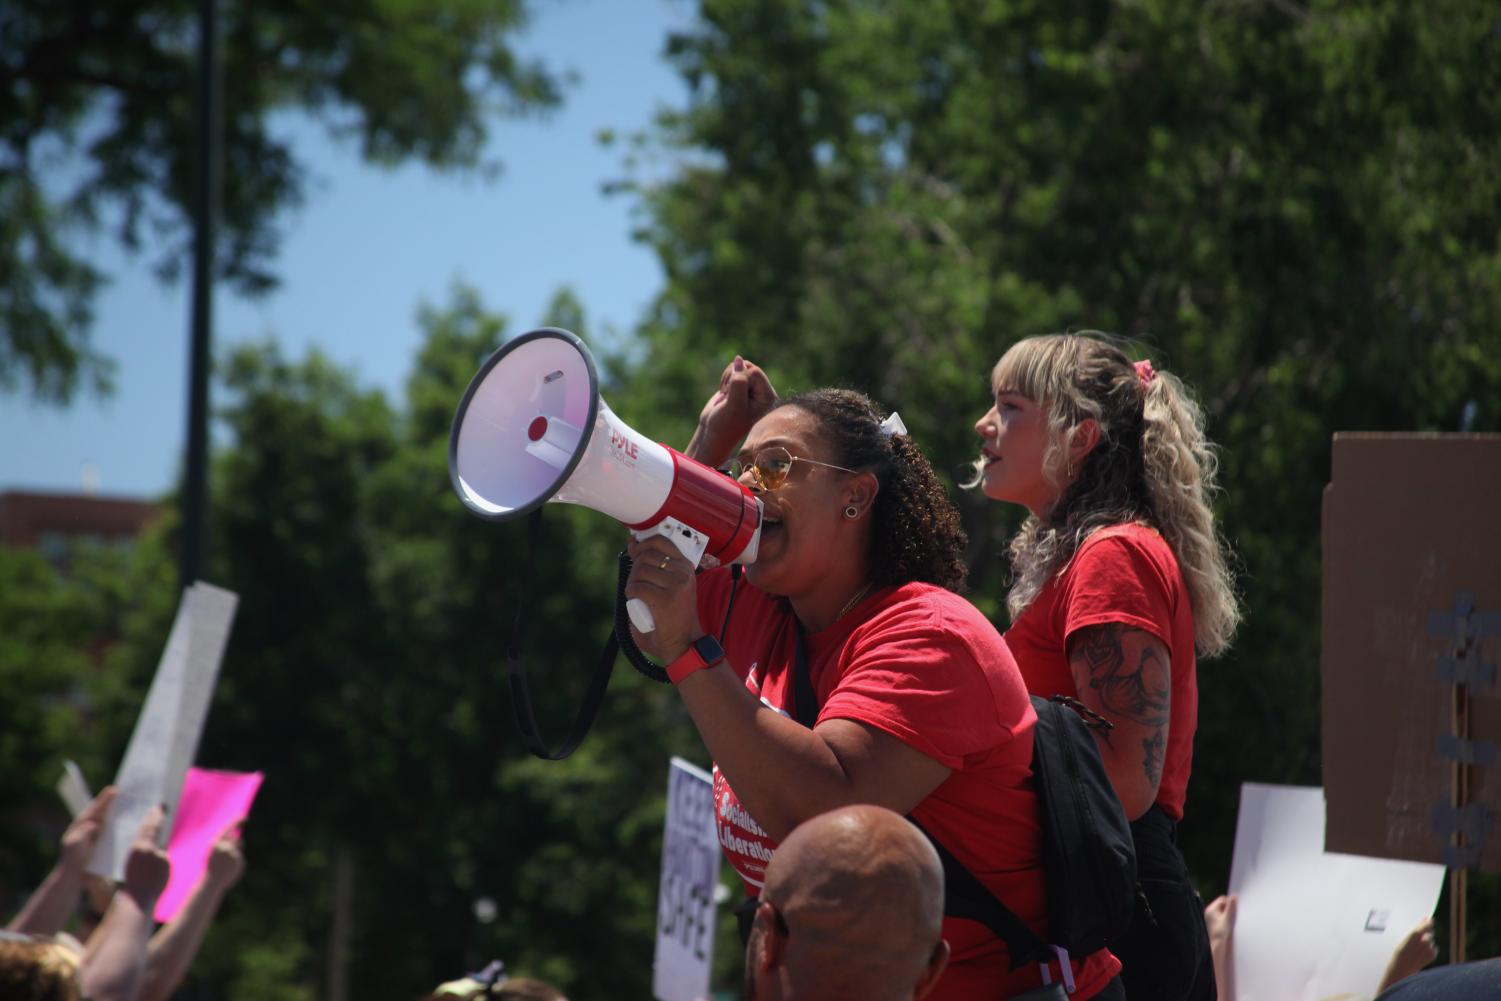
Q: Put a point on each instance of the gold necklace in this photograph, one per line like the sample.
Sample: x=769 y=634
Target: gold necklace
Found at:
x=855 y=599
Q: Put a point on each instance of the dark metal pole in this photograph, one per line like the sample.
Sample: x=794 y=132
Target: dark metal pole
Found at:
x=206 y=173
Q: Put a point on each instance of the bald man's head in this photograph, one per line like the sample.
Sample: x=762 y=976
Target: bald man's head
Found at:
x=852 y=908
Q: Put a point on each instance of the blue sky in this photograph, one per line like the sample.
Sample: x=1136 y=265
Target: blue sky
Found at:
x=370 y=245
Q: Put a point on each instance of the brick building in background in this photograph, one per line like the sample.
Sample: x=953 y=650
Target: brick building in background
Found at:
x=51 y=522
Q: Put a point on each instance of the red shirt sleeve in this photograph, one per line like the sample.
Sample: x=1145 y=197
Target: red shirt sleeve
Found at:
x=1117 y=578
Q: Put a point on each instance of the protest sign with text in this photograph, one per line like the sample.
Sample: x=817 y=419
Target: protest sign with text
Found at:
x=690 y=874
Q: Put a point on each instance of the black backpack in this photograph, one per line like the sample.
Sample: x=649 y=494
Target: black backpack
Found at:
x=1088 y=851
x=1088 y=855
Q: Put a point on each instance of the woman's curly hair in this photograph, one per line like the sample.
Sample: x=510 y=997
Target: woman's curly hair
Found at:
x=916 y=535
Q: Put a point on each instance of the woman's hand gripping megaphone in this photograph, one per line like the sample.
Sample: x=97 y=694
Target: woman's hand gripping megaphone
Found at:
x=690 y=545
x=663 y=583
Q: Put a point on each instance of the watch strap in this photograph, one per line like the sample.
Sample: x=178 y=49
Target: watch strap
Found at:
x=702 y=653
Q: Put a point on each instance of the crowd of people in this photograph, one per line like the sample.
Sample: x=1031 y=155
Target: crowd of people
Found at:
x=863 y=715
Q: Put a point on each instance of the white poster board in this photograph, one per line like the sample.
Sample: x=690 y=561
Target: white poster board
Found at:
x=73 y=789
x=1312 y=925
x=685 y=900
x=166 y=734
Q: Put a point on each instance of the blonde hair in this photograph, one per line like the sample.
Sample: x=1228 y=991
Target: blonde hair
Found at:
x=38 y=969
x=1152 y=463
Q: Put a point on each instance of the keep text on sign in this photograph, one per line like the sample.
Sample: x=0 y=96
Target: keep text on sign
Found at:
x=685 y=900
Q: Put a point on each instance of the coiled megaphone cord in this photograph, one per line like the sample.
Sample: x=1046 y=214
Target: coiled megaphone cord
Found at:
x=627 y=643
x=623 y=636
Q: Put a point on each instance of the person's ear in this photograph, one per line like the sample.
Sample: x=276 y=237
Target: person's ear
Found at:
x=862 y=492
x=937 y=963
x=773 y=944
x=1082 y=440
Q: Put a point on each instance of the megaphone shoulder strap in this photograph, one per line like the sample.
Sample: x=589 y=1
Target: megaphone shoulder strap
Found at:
x=619 y=642
x=521 y=697
x=521 y=701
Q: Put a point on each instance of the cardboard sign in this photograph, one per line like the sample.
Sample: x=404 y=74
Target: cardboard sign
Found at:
x=210 y=803
x=167 y=732
x=1311 y=925
x=685 y=900
x=1409 y=533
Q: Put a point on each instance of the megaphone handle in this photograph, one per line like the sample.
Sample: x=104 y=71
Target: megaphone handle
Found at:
x=641 y=616
x=689 y=541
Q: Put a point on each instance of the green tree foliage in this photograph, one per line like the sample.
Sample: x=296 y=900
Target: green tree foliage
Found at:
x=65 y=627
x=41 y=664
x=111 y=87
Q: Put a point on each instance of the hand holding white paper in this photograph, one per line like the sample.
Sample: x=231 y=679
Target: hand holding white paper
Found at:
x=1311 y=925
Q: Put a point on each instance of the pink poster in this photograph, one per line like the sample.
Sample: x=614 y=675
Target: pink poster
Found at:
x=211 y=802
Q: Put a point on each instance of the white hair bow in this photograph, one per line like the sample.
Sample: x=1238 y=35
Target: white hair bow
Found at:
x=893 y=425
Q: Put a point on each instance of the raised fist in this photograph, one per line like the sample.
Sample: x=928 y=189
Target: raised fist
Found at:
x=146 y=865
x=226 y=862
x=744 y=396
x=77 y=845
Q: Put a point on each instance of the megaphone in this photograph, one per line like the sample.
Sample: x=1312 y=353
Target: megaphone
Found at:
x=532 y=429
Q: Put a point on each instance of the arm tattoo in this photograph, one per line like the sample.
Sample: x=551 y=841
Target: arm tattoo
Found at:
x=1137 y=692
x=1152 y=762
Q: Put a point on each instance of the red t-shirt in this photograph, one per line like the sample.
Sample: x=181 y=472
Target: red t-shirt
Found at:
x=1126 y=574
x=923 y=665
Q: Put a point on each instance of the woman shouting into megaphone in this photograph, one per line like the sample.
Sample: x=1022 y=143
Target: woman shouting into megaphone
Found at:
x=849 y=669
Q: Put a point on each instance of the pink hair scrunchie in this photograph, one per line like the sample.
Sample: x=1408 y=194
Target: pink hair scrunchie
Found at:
x=1145 y=372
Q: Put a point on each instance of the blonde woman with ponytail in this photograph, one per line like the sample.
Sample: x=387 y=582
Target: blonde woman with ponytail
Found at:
x=1119 y=581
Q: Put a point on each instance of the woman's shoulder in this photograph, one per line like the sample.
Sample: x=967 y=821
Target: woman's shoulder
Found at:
x=930 y=599
x=1129 y=538
x=1122 y=558
x=944 y=643
x=940 y=612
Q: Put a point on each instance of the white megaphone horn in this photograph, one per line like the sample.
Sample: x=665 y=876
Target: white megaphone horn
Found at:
x=532 y=428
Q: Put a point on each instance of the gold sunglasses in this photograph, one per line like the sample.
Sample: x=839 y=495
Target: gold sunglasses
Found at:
x=770 y=467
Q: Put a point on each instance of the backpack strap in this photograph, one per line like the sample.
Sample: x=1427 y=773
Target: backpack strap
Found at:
x=964 y=896
x=802 y=682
